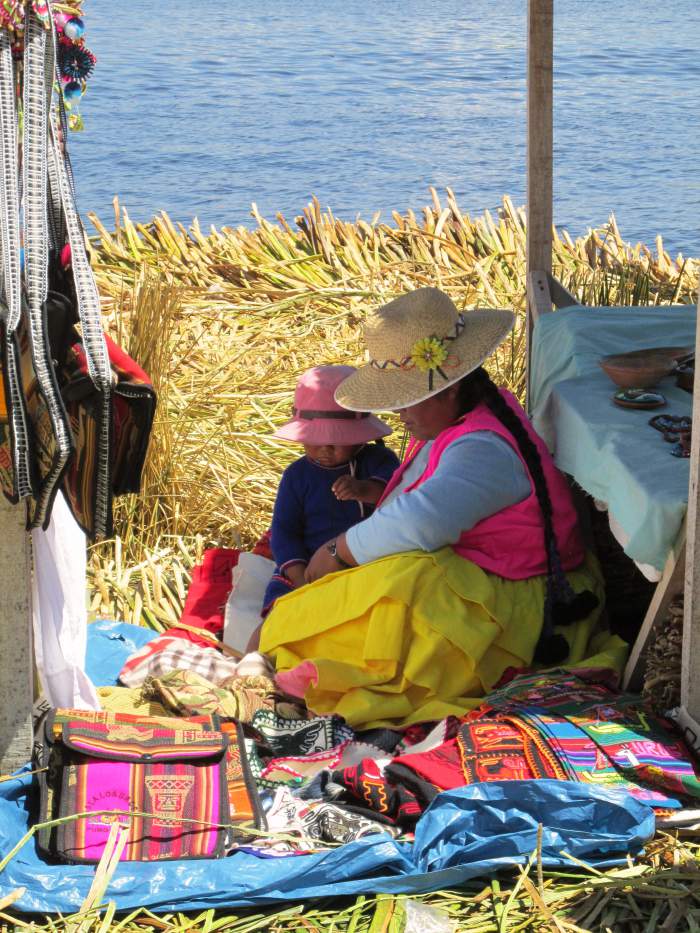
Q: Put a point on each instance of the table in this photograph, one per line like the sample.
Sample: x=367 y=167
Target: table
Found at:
x=612 y=452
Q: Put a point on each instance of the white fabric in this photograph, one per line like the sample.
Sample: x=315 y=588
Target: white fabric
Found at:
x=244 y=604
x=60 y=612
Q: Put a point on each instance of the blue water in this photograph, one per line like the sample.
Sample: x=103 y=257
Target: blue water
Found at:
x=202 y=108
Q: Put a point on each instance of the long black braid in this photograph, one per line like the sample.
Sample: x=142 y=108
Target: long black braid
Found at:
x=562 y=606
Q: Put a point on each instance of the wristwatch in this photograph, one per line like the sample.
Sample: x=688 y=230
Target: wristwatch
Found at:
x=332 y=548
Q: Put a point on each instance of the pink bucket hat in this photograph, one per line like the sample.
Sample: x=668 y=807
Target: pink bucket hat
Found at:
x=319 y=419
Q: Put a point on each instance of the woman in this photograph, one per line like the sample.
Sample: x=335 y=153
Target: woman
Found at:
x=472 y=556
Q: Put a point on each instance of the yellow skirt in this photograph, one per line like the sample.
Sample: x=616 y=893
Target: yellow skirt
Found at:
x=417 y=636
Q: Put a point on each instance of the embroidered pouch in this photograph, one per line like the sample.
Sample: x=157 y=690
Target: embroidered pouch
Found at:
x=50 y=438
x=130 y=416
x=17 y=476
x=319 y=741
x=175 y=777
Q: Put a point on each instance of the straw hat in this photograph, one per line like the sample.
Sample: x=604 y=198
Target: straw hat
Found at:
x=318 y=419
x=418 y=345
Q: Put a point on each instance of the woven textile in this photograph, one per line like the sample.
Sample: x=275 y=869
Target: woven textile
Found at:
x=52 y=437
x=498 y=750
x=171 y=652
x=187 y=693
x=482 y=750
x=582 y=760
x=601 y=735
x=366 y=785
x=318 y=823
x=167 y=785
x=244 y=804
x=120 y=738
x=292 y=749
x=130 y=417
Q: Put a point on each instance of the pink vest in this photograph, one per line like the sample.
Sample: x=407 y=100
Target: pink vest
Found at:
x=511 y=542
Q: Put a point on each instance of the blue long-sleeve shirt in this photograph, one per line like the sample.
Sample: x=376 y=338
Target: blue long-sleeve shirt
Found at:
x=307 y=513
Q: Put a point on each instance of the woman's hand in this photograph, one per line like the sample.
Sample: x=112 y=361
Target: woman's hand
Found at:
x=320 y=564
x=323 y=561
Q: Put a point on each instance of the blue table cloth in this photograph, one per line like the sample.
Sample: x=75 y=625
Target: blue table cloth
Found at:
x=612 y=452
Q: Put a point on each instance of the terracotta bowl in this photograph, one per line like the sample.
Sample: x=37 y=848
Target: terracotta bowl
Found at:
x=641 y=369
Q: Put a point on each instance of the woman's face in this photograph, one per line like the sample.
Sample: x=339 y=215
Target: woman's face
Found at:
x=427 y=419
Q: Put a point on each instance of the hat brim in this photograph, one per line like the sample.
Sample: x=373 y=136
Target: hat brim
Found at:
x=340 y=432
x=374 y=389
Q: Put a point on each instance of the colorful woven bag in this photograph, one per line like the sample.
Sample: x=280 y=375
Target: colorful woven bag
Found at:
x=168 y=780
x=130 y=414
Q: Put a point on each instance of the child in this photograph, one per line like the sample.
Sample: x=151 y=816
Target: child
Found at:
x=334 y=485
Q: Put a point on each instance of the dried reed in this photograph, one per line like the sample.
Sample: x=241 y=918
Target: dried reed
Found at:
x=224 y=322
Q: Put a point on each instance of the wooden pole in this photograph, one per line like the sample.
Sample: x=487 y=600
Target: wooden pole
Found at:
x=690 y=678
x=540 y=48
x=540 y=51
x=16 y=667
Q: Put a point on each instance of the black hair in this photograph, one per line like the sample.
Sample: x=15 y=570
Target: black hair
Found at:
x=561 y=606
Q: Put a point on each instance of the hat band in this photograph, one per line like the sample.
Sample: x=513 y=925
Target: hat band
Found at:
x=309 y=414
x=429 y=355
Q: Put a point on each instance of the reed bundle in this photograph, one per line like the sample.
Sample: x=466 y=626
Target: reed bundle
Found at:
x=225 y=322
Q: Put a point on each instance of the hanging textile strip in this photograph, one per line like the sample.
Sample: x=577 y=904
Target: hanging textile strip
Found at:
x=9 y=189
x=58 y=234
x=15 y=471
x=54 y=441
x=85 y=285
x=93 y=339
x=15 y=461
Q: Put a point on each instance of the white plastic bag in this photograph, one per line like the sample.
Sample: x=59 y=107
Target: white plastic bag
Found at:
x=244 y=604
x=59 y=610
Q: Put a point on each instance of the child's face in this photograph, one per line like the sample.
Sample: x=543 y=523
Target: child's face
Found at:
x=330 y=455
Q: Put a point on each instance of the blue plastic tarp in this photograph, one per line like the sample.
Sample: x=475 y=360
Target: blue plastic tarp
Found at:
x=109 y=644
x=465 y=833
x=469 y=832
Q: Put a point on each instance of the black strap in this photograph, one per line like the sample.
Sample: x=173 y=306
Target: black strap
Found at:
x=308 y=414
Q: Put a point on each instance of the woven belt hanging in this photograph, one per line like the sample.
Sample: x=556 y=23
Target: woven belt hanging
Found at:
x=20 y=484
x=9 y=187
x=91 y=328
x=65 y=217
x=38 y=84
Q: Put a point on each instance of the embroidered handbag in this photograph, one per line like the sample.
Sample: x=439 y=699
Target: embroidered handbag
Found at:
x=133 y=404
x=169 y=780
x=38 y=466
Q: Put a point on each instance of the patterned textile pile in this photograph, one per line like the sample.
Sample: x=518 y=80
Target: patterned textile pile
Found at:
x=320 y=783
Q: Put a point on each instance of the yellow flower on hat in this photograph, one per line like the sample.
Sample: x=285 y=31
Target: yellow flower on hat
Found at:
x=428 y=353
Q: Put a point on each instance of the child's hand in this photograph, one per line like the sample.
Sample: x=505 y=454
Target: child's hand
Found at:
x=295 y=574
x=360 y=490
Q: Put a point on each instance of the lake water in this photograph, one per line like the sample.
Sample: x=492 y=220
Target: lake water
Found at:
x=202 y=108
